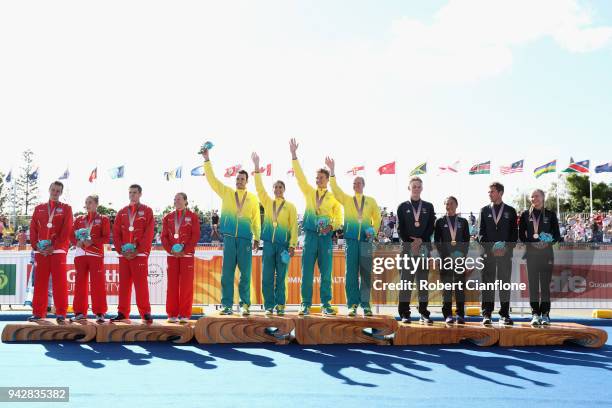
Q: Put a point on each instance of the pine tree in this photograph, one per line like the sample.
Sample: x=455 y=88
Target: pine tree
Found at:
x=3 y=194
x=27 y=186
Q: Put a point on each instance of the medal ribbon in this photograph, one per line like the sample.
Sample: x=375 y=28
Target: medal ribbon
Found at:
x=318 y=201
x=276 y=213
x=240 y=204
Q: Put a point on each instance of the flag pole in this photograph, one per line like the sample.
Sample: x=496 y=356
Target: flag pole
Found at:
x=14 y=202
x=557 y=194
x=590 y=194
x=395 y=182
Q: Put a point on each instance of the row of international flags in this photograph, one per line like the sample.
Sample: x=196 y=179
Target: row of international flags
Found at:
x=580 y=167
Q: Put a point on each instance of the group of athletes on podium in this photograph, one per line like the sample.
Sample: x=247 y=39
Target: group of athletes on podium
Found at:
x=53 y=231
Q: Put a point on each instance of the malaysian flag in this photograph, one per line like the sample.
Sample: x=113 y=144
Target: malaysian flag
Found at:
x=516 y=167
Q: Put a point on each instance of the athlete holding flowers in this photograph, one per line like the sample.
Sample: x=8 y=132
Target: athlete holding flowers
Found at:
x=538 y=229
x=180 y=234
x=91 y=232
x=323 y=215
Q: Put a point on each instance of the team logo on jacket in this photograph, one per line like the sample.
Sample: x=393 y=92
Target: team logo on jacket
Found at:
x=187 y=219
x=140 y=212
x=60 y=210
x=506 y=215
x=97 y=221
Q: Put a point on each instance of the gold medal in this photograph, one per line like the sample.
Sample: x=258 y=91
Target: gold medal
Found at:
x=275 y=224
x=417 y=224
x=453 y=243
x=49 y=225
x=536 y=236
x=176 y=236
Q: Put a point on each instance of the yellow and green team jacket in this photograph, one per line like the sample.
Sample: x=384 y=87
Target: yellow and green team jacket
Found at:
x=286 y=231
x=330 y=207
x=247 y=224
x=371 y=213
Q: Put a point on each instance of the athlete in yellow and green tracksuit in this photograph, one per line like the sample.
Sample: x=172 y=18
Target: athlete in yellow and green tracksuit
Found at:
x=240 y=223
x=361 y=224
x=320 y=204
x=279 y=233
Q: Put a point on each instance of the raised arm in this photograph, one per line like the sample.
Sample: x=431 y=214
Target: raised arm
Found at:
x=297 y=169
x=262 y=194
x=338 y=192
x=217 y=186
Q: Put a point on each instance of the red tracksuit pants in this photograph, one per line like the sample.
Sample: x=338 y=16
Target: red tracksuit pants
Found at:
x=86 y=266
x=179 y=297
x=134 y=271
x=53 y=265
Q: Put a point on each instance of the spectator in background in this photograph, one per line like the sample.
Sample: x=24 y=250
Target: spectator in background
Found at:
x=214 y=218
x=22 y=238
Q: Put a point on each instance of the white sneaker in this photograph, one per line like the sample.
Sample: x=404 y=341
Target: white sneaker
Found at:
x=184 y=320
x=173 y=319
x=78 y=317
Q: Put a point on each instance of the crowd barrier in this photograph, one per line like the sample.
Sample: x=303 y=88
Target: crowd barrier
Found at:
x=582 y=277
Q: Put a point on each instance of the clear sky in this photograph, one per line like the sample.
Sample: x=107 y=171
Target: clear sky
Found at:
x=144 y=83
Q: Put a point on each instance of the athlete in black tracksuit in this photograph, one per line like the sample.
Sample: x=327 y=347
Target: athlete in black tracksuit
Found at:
x=444 y=245
x=497 y=267
x=540 y=259
x=407 y=230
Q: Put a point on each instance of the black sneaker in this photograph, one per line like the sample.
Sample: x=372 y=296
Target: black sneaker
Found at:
x=35 y=318
x=60 y=319
x=147 y=319
x=460 y=320
x=405 y=318
x=486 y=321
x=119 y=318
x=545 y=320
x=505 y=321
x=425 y=320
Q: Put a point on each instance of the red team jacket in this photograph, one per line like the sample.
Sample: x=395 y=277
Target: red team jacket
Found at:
x=61 y=228
x=189 y=232
x=144 y=229
x=100 y=233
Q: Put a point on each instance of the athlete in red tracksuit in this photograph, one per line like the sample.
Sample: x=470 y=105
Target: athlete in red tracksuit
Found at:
x=181 y=226
x=134 y=224
x=89 y=261
x=51 y=221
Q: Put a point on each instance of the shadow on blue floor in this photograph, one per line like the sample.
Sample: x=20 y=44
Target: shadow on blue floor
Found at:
x=478 y=363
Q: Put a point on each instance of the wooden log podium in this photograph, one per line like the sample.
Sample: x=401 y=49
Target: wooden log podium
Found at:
x=159 y=330
x=50 y=330
x=413 y=334
x=238 y=329
x=318 y=329
x=523 y=334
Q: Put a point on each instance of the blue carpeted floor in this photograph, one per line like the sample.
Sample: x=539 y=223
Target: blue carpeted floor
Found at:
x=152 y=374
